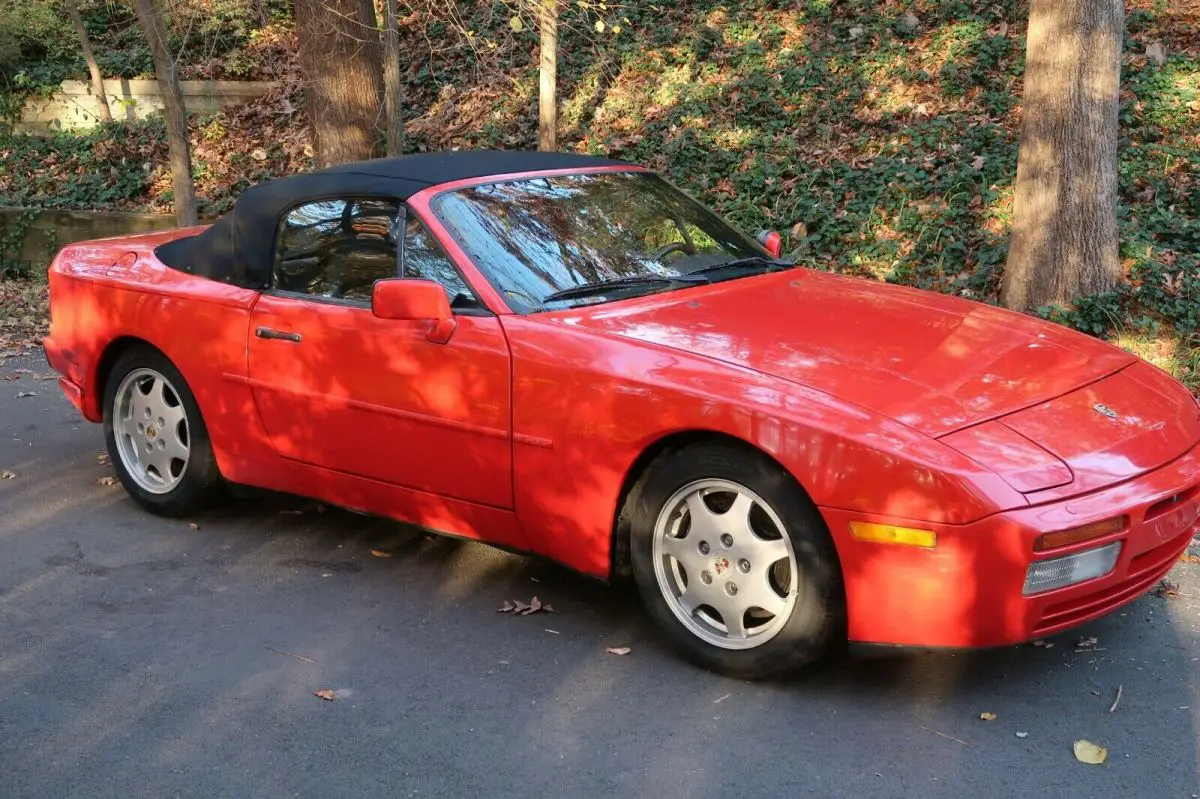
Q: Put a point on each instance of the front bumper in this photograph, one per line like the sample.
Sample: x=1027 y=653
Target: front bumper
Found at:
x=966 y=590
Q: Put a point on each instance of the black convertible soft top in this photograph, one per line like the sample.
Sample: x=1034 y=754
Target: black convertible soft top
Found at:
x=237 y=247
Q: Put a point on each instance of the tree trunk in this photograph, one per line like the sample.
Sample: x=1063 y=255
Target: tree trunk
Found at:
x=85 y=44
x=343 y=84
x=172 y=96
x=393 y=91
x=1064 y=233
x=548 y=71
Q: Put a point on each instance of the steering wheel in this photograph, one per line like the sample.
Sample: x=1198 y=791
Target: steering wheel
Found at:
x=667 y=249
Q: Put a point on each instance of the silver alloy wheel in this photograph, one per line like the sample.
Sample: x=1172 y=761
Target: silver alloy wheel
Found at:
x=725 y=564
x=150 y=426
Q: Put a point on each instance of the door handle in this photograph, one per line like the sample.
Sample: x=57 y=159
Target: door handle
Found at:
x=266 y=332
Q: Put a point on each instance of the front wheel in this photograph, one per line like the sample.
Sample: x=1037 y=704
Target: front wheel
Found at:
x=733 y=561
x=155 y=435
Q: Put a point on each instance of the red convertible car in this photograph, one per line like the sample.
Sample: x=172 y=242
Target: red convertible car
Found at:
x=567 y=356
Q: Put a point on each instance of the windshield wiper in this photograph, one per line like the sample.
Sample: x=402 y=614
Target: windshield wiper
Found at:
x=769 y=264
x=589 y=289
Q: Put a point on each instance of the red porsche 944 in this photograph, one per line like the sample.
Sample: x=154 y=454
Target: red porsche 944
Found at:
x=567 y=356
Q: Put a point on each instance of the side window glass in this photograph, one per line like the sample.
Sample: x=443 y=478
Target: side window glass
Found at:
x=336 y=249
x=424 y=258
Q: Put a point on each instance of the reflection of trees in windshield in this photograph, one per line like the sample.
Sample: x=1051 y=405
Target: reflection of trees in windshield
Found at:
x=534 y=237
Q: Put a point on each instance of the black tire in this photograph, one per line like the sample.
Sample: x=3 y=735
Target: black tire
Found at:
x=816 y=624
x=199 y=485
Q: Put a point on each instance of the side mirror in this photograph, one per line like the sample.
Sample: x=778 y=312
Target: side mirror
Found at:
x=411 y=300
x=772 y=241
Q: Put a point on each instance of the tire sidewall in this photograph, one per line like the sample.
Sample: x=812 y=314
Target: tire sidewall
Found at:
x=200 y=477
x=816 y=618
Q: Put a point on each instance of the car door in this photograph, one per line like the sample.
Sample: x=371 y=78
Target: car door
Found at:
x=340 y=389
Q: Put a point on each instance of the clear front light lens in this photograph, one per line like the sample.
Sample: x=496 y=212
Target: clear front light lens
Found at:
x=1046 y=575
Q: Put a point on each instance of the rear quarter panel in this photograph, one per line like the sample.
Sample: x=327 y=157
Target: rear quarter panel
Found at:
x=587 y=404
x=106 y=294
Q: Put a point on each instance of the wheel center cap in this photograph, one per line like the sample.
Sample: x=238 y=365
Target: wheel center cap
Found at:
x=721 y=565
x=151 y=432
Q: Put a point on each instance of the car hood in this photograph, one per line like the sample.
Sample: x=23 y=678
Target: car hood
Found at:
x=936 y=363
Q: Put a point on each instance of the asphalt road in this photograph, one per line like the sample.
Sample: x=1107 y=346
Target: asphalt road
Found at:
x=136 y=659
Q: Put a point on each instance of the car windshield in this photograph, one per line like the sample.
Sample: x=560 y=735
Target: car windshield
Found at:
x=557 y=242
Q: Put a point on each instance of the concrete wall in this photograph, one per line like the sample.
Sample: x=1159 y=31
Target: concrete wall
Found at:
x=48 y=230
x=74 y=107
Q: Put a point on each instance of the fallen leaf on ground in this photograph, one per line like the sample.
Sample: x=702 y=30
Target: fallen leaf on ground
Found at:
x=379 y=553
x=1166 y=589
x=1090 y=753
x=103 y=459
x=194 y=526
x=985 y=716
x=24 y=394
x=107 y=481
x=519 y=608
x=1022 y=735
x=1045 y=644
x=7 y=475
x=326 y=694
x=1157 y=53
x=12 y=376
x=977 y=164
x=1188 y=557
x=618 y=650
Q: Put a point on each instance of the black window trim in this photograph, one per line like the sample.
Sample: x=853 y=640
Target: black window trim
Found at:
x=481 y=309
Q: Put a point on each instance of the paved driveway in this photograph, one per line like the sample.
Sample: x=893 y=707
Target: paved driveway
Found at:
x=137 y=659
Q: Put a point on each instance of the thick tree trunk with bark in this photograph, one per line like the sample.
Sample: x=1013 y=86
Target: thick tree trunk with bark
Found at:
x=1064 y=235
x=343 y=84
x=152 y=26
x=392 y=89
x=548 y=72
x=85 y=44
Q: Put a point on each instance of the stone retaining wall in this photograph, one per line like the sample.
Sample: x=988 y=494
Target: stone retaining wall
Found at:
x=73 y=107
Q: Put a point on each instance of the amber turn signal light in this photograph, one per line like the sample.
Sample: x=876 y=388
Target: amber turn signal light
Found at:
x=891 y=534
x=1076 y=535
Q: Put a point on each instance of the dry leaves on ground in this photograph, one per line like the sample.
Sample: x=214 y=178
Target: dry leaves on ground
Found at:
x=986 y=716
x=1166 y=589
x=518 y=608
x=325 y=693
x=24 y=394
x=107 y=481
x=618 y=650
x=1090 y=753
x=379 y=553
x=7 y=475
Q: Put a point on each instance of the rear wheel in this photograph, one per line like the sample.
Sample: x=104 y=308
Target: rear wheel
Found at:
x=733 y=561
x=156 y=437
